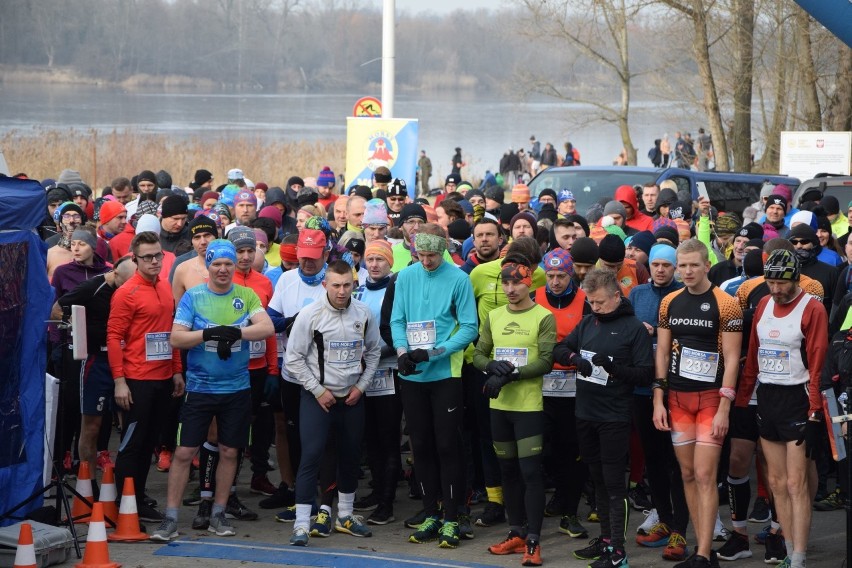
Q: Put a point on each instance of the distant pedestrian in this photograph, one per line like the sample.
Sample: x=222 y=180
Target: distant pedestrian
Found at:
x=424 y=164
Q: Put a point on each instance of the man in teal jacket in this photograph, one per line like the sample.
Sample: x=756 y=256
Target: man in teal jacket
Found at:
x=433 y=320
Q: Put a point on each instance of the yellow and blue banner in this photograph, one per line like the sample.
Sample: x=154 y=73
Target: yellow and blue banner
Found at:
x=375 y=142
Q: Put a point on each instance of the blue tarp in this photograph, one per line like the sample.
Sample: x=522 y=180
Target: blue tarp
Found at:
x=25 y=300
x=835 y=15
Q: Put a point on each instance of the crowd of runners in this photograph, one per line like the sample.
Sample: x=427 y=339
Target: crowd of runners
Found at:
x=515 y=350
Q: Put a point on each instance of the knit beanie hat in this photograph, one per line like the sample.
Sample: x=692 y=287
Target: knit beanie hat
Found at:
x=203 y=224
x=585 y=251
x=271 y=212
x=228 y=194
x=382 y=175
x=382 y=248
x=805 y=217
x=495 y=194
x=663 y=252
x=615 y=207
x=147 y=175
x=776 y=199
x=804 y=232
x=245 y=197
x=326 y=178
x=525 y=215
x=548 y=212
x=459 y=230
x=751 y=231
x=85 y=236
x=148 y=222
x=242 y=237
x=68 y=176
x=559 y=259
x=643 y=240
x=521 y=193
x=352 y=241
x=611 y=249
x=830 y=204
x=781 y=265
x=172 y=206
x=410 y=210
x=110 y=210
x=375 y=213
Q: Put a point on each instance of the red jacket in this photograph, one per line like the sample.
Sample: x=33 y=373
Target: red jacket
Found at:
x=639 y=221
x=262 y=286
x=138 y=310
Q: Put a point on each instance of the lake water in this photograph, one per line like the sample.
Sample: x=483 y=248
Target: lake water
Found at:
x=484 y=126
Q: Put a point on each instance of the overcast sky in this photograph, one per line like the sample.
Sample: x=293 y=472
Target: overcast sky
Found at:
x=443 y=6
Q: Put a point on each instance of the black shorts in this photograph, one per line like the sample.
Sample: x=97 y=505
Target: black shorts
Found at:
x=232 y=412
x=782 y=411
x=743 y=423
x=96 y=385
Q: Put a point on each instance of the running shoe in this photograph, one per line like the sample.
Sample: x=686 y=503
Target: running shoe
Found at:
x=786 y=563
x=236 y=510
x=735 y=548
x=656 y=537
x=637 y=495
x=221 y=526
x=449 y=535
x=415 y=520
x=611 y=558
x=148 y=514
x=760 y=538
x=477 y=496
x=512 y=544
x=427 y=531
x=834 y=501
x=352 y=524
x=554 y=506
x=164 y=460
x=288 y=515
x=167 y=531
x=194 y=497
x=532 y=554
x=675 y=548
x=465 y=528
x=593 y=516
x=260 y=485
x=299 y=538
x=368 y=503
x=283 y=497
x=382 y=515
x=651 y=519
x=760 y=511
x=570 y=525
x=322 y=524
x=597 y=547
x=202 y=517
x=720 y=533
x=493 y=514
x=776 y=549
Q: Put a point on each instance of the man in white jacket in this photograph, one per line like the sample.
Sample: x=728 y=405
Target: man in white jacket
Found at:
x=330 y=339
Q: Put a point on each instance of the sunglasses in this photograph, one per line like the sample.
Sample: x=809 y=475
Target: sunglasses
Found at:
x=799 y=241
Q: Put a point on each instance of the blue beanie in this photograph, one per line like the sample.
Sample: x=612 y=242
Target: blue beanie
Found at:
x=659 y=252
x=220 y=248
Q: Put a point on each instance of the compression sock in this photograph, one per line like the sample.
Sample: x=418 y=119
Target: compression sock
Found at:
x=209 y=461
x=739 y=496
x=495 y=494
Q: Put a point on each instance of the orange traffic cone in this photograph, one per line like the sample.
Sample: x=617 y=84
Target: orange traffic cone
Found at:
x=82 y=510
x=108 y=495
x=25 y=555
x=127 y=529
x=97 y=551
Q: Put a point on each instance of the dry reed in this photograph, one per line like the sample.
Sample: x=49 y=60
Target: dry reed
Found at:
x=101 y=157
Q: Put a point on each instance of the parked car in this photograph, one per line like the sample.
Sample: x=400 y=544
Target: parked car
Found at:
x=826 y=184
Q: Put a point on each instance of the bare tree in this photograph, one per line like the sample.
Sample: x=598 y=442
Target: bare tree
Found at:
x=838 y=114
x=743 y=15
x=807 y=72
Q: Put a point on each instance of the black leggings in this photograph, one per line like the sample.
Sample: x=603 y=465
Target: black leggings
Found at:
x=434 y=416
x=562 y=458
x=384 y=417
x=661 y=466
x=517 y=443
x=604 y=447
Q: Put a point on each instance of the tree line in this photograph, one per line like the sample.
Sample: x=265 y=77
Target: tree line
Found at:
x=747 y=69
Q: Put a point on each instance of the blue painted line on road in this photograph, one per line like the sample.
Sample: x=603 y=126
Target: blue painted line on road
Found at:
x=297 y=556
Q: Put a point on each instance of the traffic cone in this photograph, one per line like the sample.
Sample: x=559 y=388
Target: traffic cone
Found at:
x=97 y=551
x=25 y=555
x=127 y=529
x=81 y=510
x=108 y=495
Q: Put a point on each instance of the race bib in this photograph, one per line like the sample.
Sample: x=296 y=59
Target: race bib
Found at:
x=698 y=365
x=421 y=334
x=345 y=353
x=599 y=375
x=280 y=344
x=382 y=383
x=257 y=349
x=157 y=346
x=774 y=362
x=517 y=356
x=561 y=384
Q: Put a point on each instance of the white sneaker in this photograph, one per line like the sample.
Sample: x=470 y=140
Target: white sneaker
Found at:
x=720 y=533
x=651 y=519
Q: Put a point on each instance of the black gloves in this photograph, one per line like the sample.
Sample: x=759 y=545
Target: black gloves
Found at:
x=406 y=365
x=810 y=436
x=418 y=355
x=584 y=367
x=604 y=362
x=494 y=384
x=499 y=368
x=288 y=323
x=222 y=333
x=223 y=350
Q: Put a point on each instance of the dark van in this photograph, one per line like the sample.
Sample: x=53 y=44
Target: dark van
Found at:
x=728 y=191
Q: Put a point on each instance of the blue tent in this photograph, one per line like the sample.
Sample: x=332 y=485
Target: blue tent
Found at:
x=25 y=301
x=835 y=15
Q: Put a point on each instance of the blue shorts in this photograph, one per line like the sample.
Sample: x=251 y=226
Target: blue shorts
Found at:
x=96 y=385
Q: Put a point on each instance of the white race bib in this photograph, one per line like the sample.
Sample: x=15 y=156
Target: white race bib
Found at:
x=517 y=356
x=698 y=365
x=774 y=362
x=157 y=346
x=421 y=334
x=257 y=349
x=562 y=384
x=382 y=383
x=345 y=353
x=599 y=375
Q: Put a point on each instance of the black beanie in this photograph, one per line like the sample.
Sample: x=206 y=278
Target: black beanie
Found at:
x=507 y=211
x=668 y=233
x=585 y=251
x=547 y=212
x=804 y=231
x=202 y=177
x=171 y=206
x=410 y=210
x=611 y=249
x=147 y=175
x=830 y=204
x=295 y=180
x=459 y=230
x=579 y=220
x=203 y=224
x=753 y=263
x=751 y=231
